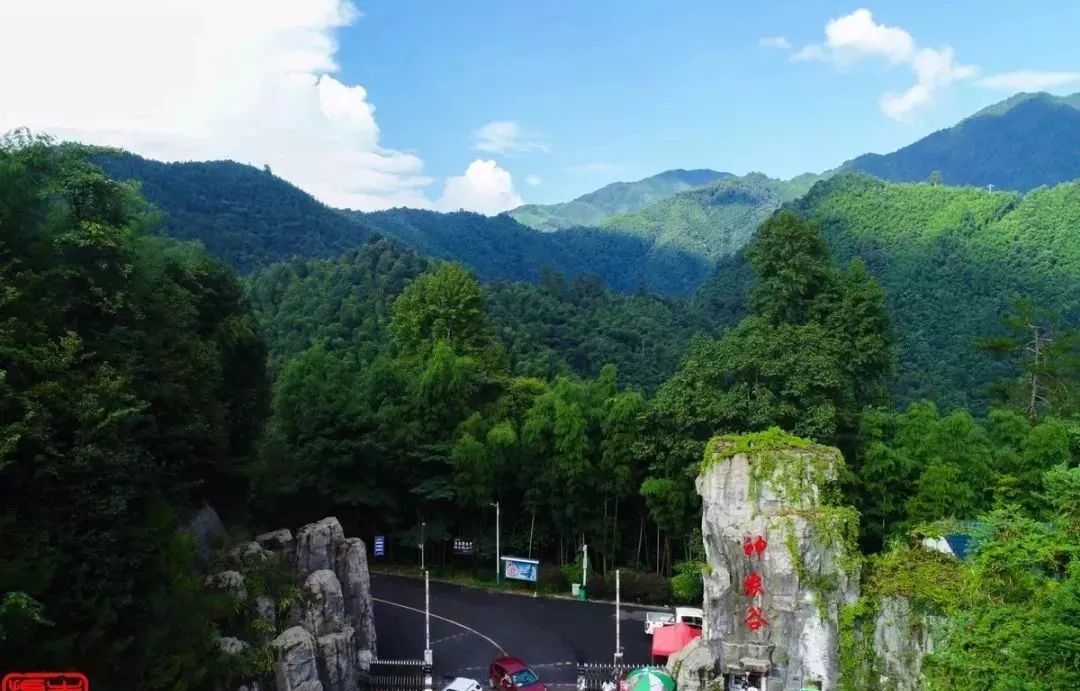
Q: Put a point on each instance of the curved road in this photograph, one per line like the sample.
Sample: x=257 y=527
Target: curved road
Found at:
x=471 y=627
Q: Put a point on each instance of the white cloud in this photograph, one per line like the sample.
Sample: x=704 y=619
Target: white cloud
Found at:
x=857 y=36
x=532 y=180
x=807 y=53
x=774 y=42
x=594 y=167
x=485 y=188
x=507 y=137
x=250 y=80
x=1029 y=80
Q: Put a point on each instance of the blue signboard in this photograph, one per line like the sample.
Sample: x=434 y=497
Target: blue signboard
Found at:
x=520 y=568
x=380 y=545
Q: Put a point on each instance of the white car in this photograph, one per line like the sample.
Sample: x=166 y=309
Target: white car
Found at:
x=463 y=684
x=693 y=616
x=654 y=620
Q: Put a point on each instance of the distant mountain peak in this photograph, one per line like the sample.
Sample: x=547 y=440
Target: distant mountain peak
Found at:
x=593 y=208
x=1023 y=142
x=1003 y=107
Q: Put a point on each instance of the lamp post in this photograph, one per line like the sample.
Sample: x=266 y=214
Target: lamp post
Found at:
x=618 y=642
x=427 y=621
x=498 y=550
x=423 y=524
x=584 y=564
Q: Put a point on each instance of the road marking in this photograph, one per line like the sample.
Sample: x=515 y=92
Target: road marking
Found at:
x=448 y=621
x=444 y=639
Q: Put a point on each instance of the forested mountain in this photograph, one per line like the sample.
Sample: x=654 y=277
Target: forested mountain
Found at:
x=406 y=397
x=250 y=219
x=617 y=198
x=949 y=260
x=242 y=215
x=1021 y=143
x=713 y=221
x=132 y=388
x=556 y=327
x=499 y=248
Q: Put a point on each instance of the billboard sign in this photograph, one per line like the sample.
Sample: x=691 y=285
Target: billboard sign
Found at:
x=380 y=545
x=521 y=569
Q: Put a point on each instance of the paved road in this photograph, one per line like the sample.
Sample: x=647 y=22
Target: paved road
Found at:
x=470 y=627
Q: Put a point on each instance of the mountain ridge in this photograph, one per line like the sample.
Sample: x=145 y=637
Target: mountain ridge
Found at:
x=593 y=208
x=1020 y=143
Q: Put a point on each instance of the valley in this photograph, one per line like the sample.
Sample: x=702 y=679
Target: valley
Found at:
x=859 y=364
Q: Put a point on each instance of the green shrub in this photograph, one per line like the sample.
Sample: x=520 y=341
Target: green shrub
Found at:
x=554 y=578
x=686 y=584
x=644 y=587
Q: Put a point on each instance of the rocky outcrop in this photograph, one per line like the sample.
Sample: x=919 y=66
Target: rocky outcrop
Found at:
x=902 y=638
x=316 y=545
x=329 y=636
x=324 y=610
x=339 y=665
x=231 y=582
x=693 y=667
x=207 y=532
x=352 y=571
x=777 y=555
x=231 y=646
x=277 y=541
x=247 y=553
x=296 y=668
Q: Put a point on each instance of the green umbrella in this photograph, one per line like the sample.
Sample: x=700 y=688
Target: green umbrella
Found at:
x=649 y=679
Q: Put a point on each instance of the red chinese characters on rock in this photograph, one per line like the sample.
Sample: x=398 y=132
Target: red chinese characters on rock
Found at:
x=753 y=586
x=754 y=546
x=755 y=618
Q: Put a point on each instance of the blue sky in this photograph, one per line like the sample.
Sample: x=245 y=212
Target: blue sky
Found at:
x=647 y=86
x=486 y=104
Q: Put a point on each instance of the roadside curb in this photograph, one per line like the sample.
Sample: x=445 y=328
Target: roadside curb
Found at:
x=519 y=593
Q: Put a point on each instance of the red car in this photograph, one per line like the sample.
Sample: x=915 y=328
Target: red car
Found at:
x=511 y=674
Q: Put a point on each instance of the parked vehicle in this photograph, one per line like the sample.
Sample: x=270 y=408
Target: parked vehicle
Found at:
x=694 y=616
x=654 y=620
x=463 y=684
x=510 y=674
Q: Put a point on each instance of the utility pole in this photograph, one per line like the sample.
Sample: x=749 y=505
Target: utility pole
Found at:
x=428 y=658
x=498 y=550
x=618 y=640
x=584 y=564
x=423 y=524
x=990 y=187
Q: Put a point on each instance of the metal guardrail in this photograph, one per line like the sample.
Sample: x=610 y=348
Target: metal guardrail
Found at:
x=592 y=675
x=397 y=675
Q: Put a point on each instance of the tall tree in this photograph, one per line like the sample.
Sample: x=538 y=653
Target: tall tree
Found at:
x=1047 y=355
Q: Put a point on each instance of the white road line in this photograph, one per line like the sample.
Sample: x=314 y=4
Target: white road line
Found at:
x=448 y=621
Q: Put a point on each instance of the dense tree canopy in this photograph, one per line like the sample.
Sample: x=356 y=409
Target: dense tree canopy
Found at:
x=131 y=387
x=407 y=396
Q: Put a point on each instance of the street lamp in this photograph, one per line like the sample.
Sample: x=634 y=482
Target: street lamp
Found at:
x=498 y=550
x=423 y=524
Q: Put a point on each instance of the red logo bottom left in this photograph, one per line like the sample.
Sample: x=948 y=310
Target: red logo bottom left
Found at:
x=45 y=681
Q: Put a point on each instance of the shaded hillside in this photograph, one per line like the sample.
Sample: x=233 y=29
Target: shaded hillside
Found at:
x=251 y=219
x=617 y=198
x=501 y=249
x=556 y=327
x=714 y=221
x=245 y=216
x=1021 y=143
x=949 y=260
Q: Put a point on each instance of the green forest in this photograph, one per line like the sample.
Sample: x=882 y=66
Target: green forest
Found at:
x=928 y=332
x=594 y=208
